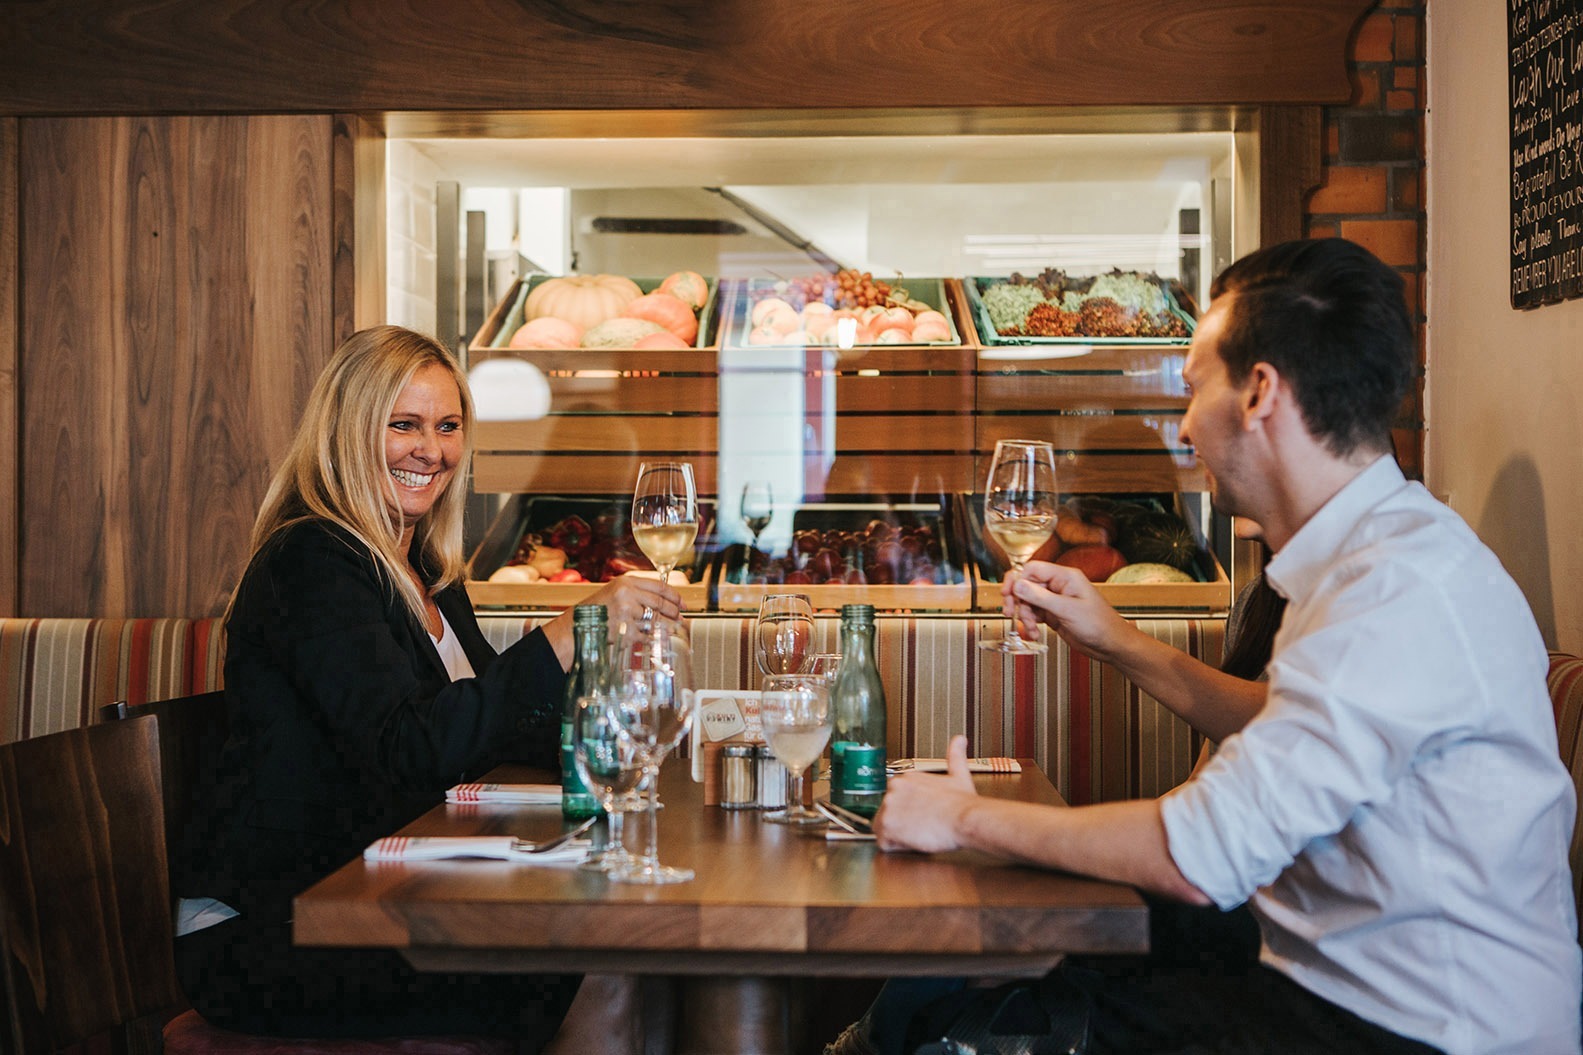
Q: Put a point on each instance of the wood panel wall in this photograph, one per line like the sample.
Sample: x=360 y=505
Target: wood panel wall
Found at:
x=142 y=56
x=10 y=389
x=176 y=304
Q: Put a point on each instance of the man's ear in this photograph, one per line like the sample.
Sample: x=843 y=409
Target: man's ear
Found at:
x=1260 y=394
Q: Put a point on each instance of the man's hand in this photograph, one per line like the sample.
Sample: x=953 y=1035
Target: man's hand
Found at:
x=1062 y=598
x=921 y=811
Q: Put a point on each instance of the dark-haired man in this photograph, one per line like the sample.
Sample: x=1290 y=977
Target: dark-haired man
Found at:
x=1395 y=809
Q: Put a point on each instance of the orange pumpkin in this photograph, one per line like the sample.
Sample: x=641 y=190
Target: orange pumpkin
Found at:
x=666 y=310
x=688 y=287
x=546 y=331
x=665 y=339
x=582 y=300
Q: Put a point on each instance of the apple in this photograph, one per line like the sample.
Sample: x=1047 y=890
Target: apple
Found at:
x=566 y=575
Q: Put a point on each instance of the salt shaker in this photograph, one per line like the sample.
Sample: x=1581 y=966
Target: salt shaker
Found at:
x=772 y=779
x=738 y=777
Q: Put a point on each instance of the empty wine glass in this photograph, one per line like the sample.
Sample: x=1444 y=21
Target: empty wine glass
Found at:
x=795 y=712
x=758 y=507
x=1020 y=501
x=783 y=634
x=652 y=676
x=610 y=762
x=665 y=513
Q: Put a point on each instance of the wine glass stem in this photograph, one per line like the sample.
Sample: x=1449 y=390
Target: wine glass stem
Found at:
x=616 y=844
x=1013 y=638
x=794 y=806
x=651 y=855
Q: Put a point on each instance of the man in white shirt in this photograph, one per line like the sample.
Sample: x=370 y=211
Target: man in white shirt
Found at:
x=1394 y=806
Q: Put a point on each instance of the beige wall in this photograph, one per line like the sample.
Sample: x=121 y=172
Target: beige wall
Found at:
x=1505 y=397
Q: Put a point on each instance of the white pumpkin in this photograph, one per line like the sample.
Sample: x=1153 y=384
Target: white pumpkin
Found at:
x=584 y=301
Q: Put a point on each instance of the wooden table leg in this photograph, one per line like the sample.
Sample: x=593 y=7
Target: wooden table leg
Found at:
x=740 y=1014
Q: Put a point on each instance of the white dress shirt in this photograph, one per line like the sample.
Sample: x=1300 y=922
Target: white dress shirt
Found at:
x=1398 y=811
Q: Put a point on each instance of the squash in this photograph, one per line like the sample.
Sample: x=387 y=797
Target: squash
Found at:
x=667 y=311
x=546 y=331
x=665 y=339
x=1149 y=574
x=620 y=333
x=688 y=287
x=582 y=300
x=1159 y=538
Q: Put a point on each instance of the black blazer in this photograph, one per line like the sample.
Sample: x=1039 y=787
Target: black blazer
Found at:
x=344 y=724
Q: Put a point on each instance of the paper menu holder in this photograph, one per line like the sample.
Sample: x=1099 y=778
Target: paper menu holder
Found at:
x=723 y=714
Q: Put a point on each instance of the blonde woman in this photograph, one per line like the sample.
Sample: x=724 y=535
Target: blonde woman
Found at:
x=359 y=687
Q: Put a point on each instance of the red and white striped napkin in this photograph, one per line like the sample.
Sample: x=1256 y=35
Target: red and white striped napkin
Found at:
x=490 y=847
x=528 y=794
x=974 y=765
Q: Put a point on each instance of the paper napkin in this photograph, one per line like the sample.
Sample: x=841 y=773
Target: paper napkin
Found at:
x=937 y=765
x=530 y=794
x=491 y=847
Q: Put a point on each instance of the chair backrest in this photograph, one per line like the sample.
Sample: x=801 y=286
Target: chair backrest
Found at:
x=86 y=921
x=192 y=730
x=1566 y=696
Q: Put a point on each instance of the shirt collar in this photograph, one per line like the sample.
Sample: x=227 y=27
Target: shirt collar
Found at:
x=1296 y=570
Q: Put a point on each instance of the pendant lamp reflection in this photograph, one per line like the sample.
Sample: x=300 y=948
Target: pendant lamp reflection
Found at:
x=509 y=389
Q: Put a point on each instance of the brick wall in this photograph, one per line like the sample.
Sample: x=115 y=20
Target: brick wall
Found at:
x=1374 y=170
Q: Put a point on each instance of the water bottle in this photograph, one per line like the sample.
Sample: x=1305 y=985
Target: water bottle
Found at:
x=590 y=624
x=857 y=748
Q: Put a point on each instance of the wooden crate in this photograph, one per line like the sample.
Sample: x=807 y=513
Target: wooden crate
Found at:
x=956 y=597
x=610 y=409
x=540 y=596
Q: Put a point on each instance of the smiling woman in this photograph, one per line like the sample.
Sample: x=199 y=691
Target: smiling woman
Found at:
x=359 y=687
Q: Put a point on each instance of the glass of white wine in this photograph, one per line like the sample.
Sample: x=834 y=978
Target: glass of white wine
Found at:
x=783 y=635
x=665 y=513
x=795 y=712
x=1020 y=501
x=758 y=507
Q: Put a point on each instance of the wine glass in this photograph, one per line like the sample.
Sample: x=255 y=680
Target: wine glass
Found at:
x=610 y=762
x=1020 y=502
x=795 y=712
x=824 y=665
x=665 y=513
x=652 y=677
x=783 y=634
x=758 y=507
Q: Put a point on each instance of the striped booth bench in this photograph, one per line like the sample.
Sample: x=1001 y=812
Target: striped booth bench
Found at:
x=1097 y=735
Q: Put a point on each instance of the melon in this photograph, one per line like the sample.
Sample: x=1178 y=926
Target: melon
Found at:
x=1148 y=573
x=620 y=333
x=546 y=331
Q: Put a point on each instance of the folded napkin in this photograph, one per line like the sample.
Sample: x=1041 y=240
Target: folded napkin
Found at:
x=937 y=765
x=494 y=847
x=533 y=794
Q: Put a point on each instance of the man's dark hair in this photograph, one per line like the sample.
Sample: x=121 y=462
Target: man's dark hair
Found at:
x=1333 y=320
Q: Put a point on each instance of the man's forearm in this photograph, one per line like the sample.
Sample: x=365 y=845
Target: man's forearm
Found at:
x=1120 y=841
x=1213 y=703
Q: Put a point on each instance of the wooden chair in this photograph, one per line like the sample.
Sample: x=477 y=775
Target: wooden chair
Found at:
x=86 y=924
x=86 y=933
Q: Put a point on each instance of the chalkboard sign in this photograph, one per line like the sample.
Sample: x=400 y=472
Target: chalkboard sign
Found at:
x=1546 y=46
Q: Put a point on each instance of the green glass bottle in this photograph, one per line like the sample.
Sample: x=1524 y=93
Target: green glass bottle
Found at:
x=857 y=746
x=590 y=629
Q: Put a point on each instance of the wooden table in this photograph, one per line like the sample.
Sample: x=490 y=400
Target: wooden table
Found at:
x=768 y=904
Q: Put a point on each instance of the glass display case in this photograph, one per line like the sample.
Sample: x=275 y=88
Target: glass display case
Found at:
x=850 y=324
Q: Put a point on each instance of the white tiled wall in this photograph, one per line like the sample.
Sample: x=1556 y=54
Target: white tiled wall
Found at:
x=410 y=178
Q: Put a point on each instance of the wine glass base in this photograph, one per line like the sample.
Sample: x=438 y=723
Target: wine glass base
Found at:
x=774 y=817
x=1017 y=648
x=608 y=862
x=805 y=818
x=652 y=875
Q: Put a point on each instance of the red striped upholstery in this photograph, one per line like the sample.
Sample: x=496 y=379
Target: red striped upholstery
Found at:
x=1093 y=731
x=55 y=674
x=1566 y=695
x=1098 y=736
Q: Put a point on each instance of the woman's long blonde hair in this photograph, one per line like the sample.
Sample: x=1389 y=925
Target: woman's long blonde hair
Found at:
x=335 y=469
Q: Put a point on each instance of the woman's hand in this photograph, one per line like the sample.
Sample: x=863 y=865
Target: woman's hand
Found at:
x=626 y=598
